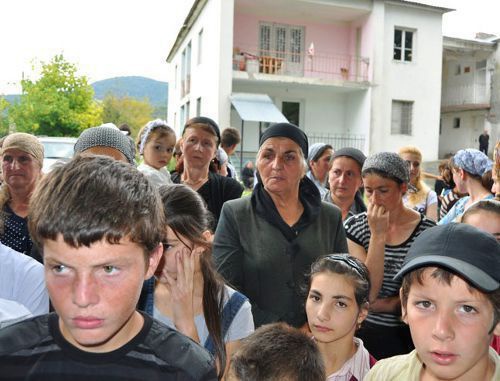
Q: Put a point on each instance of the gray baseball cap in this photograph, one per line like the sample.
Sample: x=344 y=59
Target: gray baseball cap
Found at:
x=459 y=248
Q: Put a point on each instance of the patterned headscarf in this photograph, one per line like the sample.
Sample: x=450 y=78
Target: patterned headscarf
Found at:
x=26 y=143
x=104 y=136
x=390 y=163
x=473 y=161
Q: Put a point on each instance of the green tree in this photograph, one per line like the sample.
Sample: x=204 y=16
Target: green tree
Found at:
x=134 y=112
x=60 y=103
x=4 y=120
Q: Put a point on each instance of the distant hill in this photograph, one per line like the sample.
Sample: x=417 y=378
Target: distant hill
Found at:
x=135 y=87
x=12 y=98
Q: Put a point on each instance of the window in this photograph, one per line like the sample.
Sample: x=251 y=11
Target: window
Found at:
x=403 y=45
x=401 y=120
x=458 y=69
x=467 y=69
x=456 y=122
x=182 y=116
x=187 y=112
x=200 y=46
x=291 y=111
x=481 y=65
x=186 y=70
x=198 y=106
x=176 y=76
x=285 y=43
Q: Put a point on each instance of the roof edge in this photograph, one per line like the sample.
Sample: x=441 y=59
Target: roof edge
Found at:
x=420 y=5
x=190 y=19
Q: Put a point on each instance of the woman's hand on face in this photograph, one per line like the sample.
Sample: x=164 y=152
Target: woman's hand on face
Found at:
x=181 y=288
x=378 y=219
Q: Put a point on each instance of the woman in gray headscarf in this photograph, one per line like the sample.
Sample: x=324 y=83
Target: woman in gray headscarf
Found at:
x=381 y=237
x=106 y=140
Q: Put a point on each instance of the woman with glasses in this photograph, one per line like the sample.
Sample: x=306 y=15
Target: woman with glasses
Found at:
x=381 y=237
x=200 y=139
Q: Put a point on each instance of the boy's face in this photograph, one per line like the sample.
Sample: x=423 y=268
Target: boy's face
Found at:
x=450 y=327
x=95 y=289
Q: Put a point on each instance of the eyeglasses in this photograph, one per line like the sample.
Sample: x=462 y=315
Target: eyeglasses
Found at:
x=344 y=258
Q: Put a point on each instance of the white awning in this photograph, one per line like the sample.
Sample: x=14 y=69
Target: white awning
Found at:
x=256 y=108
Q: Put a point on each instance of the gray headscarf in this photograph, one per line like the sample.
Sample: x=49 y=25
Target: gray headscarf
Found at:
x=104 y=136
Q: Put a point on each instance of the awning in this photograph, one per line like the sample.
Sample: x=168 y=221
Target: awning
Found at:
x=256 y=108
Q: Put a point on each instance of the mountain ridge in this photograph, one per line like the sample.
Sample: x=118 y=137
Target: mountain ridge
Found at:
x=133 y=86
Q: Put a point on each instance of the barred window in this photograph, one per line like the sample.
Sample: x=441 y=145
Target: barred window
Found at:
x=401 y=120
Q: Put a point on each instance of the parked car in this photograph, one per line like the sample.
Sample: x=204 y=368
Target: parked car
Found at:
x=56 y=149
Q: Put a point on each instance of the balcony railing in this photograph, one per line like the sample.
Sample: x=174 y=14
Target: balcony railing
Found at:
x=302 y=64
x=473 y=94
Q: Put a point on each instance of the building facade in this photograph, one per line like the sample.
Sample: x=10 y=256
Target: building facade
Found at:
x=363 y=73
x=470 y=88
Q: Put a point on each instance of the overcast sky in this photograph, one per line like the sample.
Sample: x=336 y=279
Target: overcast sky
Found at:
x=109 y=38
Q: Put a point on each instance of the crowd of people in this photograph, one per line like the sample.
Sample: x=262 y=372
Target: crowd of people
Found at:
x=149 y=259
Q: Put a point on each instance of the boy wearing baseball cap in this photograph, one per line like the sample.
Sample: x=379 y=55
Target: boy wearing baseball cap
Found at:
x=450 y=298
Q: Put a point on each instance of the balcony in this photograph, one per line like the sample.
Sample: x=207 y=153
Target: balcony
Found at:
x=328 y=67
x=465 y=97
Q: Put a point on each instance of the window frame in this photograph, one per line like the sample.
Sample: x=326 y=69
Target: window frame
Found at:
x=403 y=48
x=405 y=117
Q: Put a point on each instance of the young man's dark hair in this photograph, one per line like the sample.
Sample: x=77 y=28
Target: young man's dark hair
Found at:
x=230 y=137
x=277 y=352
x=97 y=223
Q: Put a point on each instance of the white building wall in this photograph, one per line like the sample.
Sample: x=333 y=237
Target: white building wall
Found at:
x=472 y=124
x=418 y=81
x=322 y=110
x=210 y=78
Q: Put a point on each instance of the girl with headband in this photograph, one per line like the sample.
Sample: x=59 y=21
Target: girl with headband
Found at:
x=155 y=143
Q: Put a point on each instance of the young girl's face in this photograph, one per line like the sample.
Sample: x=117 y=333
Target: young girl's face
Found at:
x=175 y=245
x=450 y=327
x=332 y=312
x=158 y=150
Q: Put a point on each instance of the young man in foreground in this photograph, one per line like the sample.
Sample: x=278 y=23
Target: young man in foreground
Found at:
x=96 y=220
x=450 y=298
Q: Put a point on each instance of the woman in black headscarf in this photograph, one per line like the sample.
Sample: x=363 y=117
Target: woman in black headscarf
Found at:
x=264 y=244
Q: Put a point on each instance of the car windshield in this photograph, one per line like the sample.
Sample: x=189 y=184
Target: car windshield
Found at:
x=56 y=150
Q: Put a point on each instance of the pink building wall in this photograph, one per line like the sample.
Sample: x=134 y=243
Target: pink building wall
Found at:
x=334 y=44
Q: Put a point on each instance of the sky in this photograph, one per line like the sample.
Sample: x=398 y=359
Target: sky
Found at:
x=110 y=38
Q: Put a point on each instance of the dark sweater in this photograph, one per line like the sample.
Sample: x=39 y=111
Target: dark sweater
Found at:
x=263 y=261
x=36 y=350
x=216 y=191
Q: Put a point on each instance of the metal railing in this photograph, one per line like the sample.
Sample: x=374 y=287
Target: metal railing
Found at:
x=472 y=94
x=318 y=65
x=337 y=140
